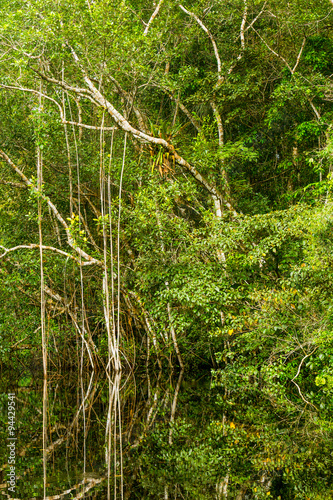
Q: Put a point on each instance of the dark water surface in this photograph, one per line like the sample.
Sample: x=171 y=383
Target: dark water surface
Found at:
x=156 y=436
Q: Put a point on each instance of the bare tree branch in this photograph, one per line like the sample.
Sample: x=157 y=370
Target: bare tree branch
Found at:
x=218 y=119
x=63 y=84
x=272 y=50
x=98 y=99
x=299 y=56
x=130 y=99
x=154 y=14
x=189 y=115
x=242 y=28
x=62 y=115
x=301 y=363
x=315 y=110
x=206 y=30
x=31 y=246
x=37 y=92
x=292 y=70
x=143 y=137
x=77 y=101
x=13 y=184
x=70 y=239
x=242 y=37
x=256 y=18
x=90 y=127
x=56 y=297
x=298 y=372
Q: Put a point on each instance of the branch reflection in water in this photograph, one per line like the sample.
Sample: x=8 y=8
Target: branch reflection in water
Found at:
x=156 y=435
x=113 y=439
x=82 y=419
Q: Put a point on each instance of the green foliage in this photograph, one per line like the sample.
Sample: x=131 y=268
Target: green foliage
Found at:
x=246 y=289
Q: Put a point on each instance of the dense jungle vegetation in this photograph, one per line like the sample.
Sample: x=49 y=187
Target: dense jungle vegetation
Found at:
x=166 y=202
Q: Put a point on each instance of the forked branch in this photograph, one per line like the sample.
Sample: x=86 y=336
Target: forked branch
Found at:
x=292 y=70
x=32 y=246
x=90 y=260
x=99 y=98
x=206 y=30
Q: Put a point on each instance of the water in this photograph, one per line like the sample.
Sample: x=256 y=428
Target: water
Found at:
x=157 y=436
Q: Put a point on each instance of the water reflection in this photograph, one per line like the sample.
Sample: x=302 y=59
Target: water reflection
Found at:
x=113 y=440
x=66 y=425
x=159 y=437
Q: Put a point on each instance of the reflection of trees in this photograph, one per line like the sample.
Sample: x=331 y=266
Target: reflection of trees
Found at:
x=113 y=439
x=256 y=451
x=74 y=439
x=157 y=437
